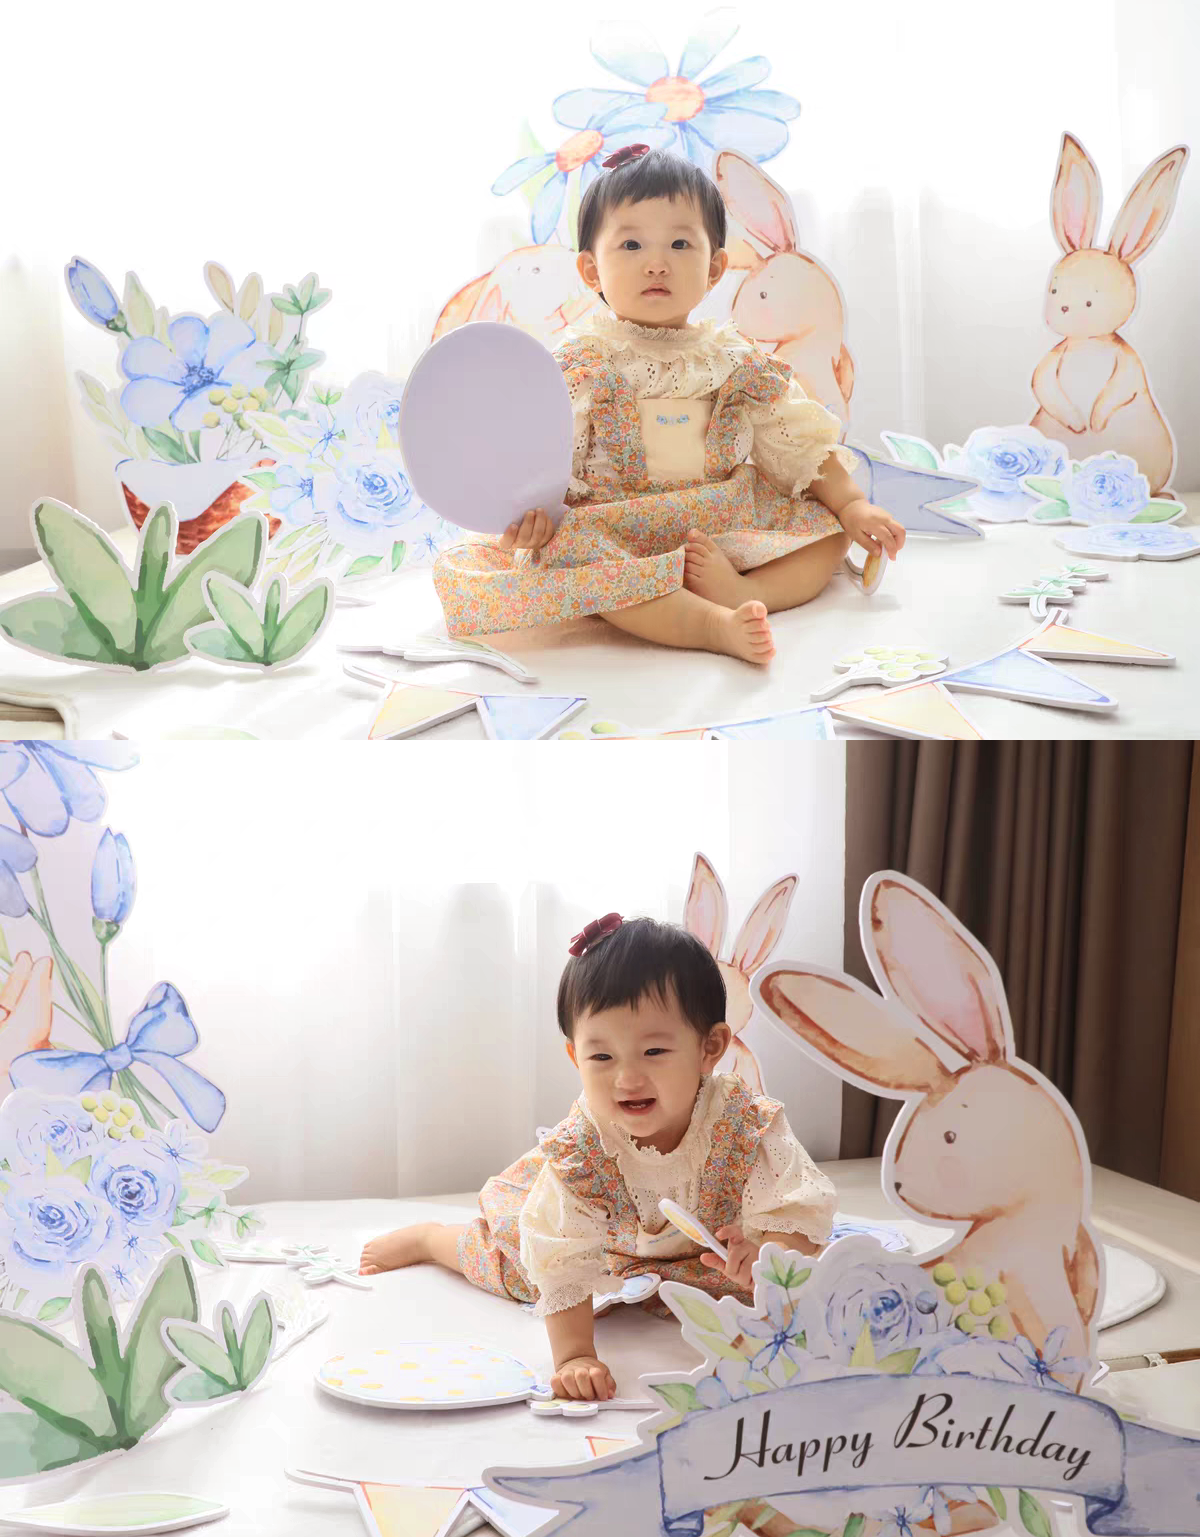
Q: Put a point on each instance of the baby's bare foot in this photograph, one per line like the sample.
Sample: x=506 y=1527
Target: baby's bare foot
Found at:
x=406 y=1246
x=708 y=571
x=746 y=633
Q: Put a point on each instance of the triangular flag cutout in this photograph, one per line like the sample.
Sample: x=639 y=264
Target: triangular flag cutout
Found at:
x=1015 y=674
x=524 y=717
x=409 y=708
x=916 y=710
x=1064 y=642
x=812 y=725
x=405 y=1510
x=602 y=1446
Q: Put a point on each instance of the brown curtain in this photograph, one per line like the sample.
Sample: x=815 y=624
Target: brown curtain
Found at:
x=1072 y=863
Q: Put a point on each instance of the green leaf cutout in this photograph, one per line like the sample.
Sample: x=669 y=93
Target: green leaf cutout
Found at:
x=853 y=1526
x=1054 y=511
x=399 y=550
x=1048 y=486
x=302 y=623
x=44 y=1374
x=680 y=1396
x=899 y=1363
x=205 y=1251
x=150 y=1364
x=199 y=1388
x=1033 y=1515
x=103 y=1336
x=88 y=568
x=363 y=564
x=1159 y=511
x=999 y=1503
x=236 y=551
x=701 y=1314
x=198 y=1346
x=910 y=451
x=278 y=636
x=257 y=1340
x=29 y=1445
x=165 y=446
x=863 y=1353
x=235 y=608
x=53 y=1309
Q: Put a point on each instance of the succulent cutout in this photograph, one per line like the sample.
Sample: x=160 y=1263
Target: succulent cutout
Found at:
x=250 y=633
x=228 y=1359
x=105 y=614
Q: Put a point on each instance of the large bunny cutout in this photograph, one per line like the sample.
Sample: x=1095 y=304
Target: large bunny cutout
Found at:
x=984 y=1142
x=706 y=915
x=788 y=302
x=535 y=288
x=1091 y=389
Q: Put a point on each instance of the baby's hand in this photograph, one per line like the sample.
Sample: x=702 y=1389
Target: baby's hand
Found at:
x=583 y=1377
x=531 y=532
x=742 y=1254
x=872 y=528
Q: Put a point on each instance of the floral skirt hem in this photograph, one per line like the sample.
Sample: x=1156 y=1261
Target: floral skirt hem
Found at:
x=612 y=555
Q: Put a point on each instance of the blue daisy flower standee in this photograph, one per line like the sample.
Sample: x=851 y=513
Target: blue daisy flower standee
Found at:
x=680 y=111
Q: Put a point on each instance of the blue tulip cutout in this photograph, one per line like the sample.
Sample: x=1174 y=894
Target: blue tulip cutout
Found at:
x=91 y=293
x=113 y=881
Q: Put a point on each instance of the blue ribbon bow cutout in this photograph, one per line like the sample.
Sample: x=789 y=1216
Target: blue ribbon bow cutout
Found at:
x=159 y=1033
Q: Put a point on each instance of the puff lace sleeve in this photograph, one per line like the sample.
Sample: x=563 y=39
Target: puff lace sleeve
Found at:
x=793 y=436
x=562 y=1243
x=786 y=1192
x=575 y=375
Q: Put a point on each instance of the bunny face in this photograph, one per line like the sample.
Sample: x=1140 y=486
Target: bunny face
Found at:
x=534 y=287
x=790 y=298
x=1090 y=293
x=958 y=1158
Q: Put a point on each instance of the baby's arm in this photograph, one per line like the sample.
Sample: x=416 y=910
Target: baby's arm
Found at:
x=562 y=1251
x=578 y=1372
x=868 y=525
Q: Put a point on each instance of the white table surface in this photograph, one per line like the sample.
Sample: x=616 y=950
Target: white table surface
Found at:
x=237 y=1452
x=940 y=593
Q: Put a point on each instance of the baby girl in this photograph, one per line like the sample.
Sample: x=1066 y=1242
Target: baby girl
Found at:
x=642 y=1007
x=707 y=490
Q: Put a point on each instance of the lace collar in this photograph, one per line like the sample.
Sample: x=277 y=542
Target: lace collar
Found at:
x=693 y=1148
x=661 y=342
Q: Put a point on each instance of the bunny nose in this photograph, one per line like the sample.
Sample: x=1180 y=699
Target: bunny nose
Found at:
x=1065 y=308
x=899 y=1187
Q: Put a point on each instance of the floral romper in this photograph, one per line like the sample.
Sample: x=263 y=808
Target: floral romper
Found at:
x=665 y=422
x=582 y=1207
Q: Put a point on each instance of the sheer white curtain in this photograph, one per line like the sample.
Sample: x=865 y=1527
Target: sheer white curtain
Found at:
x=369 y=942
x=362 y=141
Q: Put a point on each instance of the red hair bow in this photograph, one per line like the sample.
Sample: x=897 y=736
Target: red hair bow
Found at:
x=625 y=155
x=599 y=928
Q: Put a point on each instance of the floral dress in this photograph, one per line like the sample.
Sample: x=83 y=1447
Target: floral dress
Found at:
x=674 y=430
x=582 y=1208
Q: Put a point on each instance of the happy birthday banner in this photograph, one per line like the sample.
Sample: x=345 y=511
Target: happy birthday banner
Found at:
x=872 y=1432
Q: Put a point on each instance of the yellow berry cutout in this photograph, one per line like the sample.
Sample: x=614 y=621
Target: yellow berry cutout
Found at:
x=260 y=393
x=997 y=1292
x=120 y=1118
x=89 y=1101
x=943 y=1274
x=877 y=650
x=571 y=736
x=979 y=1305
x=109 y=1101
x=851 y=660
x=128 y=1109
x=229 y=405
x=137 y=1131
x=116 y=1132
x=215 y=397
x=973 y=1279
x=100 y=1113
x=1000 y=1328
x=605 y=728
x=956 y=1292
x=966 y=1323
x=238 y=391
x=212 y=418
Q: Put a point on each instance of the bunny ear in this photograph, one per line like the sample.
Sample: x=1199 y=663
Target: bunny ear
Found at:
x=1145 y=212
x=1075 y=200
x=706 y=911
x=843 y=1023
x=491 y=306
x=936 y=969
x=763 y=209
x=763 y=929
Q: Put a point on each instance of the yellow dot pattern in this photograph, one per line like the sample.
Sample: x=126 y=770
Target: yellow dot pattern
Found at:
x=429 y=1373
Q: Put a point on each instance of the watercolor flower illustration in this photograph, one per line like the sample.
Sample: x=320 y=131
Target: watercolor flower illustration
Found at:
x=46 y=784
x=1106 y=488
x=173 y=382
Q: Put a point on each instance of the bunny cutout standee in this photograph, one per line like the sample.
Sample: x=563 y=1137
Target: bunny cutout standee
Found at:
x=787 y=298
x=1092 y=385
x=706 y=915
x=984 y=1141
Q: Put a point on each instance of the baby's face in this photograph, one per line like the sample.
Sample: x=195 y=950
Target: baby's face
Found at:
x=641 y=1066
x=653 y=262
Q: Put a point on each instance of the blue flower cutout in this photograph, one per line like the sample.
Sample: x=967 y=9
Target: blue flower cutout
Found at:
x=600 y=135
x=172 y=383
x=17 y=855
x=784 y=1334
x=292 y=497
x=900 y=1520
x=723 y=111
x=48 y=783
x=91 y=292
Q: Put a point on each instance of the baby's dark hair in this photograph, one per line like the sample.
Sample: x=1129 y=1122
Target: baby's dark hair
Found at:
x=642 y=958
x=657 y=174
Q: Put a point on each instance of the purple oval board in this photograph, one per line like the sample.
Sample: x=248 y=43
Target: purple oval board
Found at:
x=486 y=427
